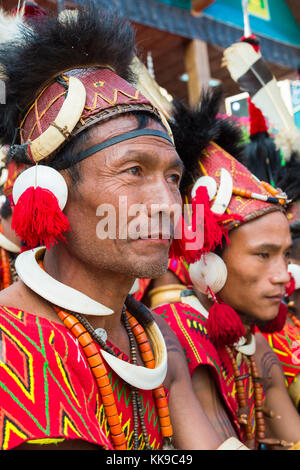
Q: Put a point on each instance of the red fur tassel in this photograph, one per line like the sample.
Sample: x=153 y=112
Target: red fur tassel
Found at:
x=290 y=287
x=37 y=218
x=257 y=120
x=277 y=323
x=251 y=40
x=31 y=10
x=224 y=325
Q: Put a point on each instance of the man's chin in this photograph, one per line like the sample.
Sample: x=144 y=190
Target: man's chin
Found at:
x=268 y=316
x=151 y=269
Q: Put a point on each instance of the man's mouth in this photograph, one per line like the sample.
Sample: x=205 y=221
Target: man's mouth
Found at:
x=275 y=297
x=156 y=236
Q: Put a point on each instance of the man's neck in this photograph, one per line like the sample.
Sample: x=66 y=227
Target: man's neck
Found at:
x=107 y=287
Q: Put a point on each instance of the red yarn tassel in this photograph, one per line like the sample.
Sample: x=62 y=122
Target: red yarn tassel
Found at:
x=224 y=325
x=277 y=323
x=290 y=287
x=37 y=218
x=212 y=225
x=205 y=222
x=257 y=120
x=213 y=232
x=183 y=237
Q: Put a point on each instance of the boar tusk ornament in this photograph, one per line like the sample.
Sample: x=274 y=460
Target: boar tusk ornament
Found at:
x=64 y=123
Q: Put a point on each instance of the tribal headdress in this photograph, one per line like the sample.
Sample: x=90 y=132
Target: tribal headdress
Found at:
x=230 y=195
x=63 y=75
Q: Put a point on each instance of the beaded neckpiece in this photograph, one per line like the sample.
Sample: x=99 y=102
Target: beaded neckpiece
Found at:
x=242 y=400
x=98 y=368
x=87 y=337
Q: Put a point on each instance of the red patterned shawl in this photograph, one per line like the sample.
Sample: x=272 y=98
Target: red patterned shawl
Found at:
x=47 y=390
x=286 y=345
x=190 y=328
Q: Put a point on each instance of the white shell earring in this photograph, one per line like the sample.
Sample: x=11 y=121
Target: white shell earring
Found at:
x=210 y=272
x=294 y=270
x=44 y=177
x=210 y=184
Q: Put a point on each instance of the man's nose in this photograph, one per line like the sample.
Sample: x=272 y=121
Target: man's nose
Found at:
x=280 y=275
x=163 y=200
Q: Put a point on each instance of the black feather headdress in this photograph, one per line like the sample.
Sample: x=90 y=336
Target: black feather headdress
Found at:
x=193 y=129
x=289 y=178
x=44 y=49
x=289 y=182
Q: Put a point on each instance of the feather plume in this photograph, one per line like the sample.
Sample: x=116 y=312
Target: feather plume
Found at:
x=158 y=96
x=250 y=71
x=10 y=25
x=194 y=128
x=151 y=89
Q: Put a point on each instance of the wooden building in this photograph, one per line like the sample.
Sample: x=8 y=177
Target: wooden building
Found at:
x=185 y=38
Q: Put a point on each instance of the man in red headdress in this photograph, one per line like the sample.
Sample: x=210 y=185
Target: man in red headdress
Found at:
x=82 y=363
x=240 y=284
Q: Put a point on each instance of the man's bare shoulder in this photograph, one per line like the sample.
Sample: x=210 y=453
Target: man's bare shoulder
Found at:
x=18 y=295
x=177 y=365
x=268 y=363
x=14 y=295
x=172 y=342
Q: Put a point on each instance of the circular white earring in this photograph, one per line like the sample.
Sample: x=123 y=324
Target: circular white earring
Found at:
x=210 y=272
x=44 y=177
x=210 y=184
x=294 y=270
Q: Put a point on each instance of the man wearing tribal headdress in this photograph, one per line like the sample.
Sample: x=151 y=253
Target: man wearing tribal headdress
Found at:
x=239 y=274
x=83 y=365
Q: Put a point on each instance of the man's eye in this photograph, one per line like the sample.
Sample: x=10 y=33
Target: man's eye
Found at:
x=175 y=178
x=287 y=255
x=263 y=255
x=134 y=170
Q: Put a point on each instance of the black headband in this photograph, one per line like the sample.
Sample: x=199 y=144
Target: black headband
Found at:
x=120 y=138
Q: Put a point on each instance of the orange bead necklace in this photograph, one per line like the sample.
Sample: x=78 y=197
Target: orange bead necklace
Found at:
x=85 y=335
x=294 y=319
x=5 y=264
x=242 y=399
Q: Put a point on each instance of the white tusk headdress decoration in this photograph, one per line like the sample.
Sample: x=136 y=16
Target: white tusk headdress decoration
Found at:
x=64 y=123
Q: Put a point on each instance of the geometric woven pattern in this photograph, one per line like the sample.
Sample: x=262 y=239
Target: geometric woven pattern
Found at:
x=286 y=345
x=47 y=390
x=190 y=328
